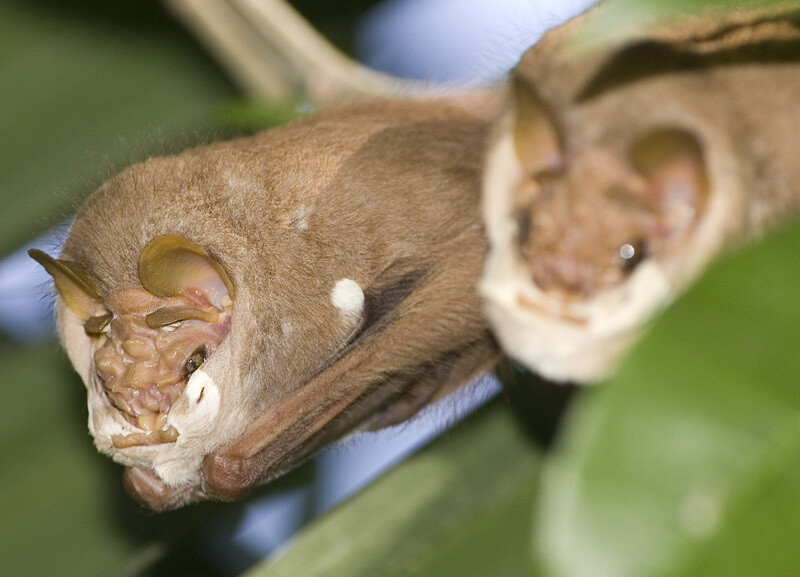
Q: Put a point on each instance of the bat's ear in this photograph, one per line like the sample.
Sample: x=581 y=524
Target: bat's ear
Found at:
x=75 y=285
x=536 y=139
x=172 y=265
x=673 y=166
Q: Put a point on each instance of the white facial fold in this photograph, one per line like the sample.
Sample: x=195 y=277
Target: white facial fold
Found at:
x=196 y=409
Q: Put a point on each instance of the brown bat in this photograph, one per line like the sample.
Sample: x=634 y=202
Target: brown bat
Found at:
x=234 y=307
x=624 y=163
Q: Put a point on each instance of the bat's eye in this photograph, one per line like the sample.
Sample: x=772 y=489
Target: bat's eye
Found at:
x=194 y=362
x=631 y=254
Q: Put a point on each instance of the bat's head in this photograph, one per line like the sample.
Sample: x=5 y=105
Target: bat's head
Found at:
x=583 y=227
x=142 y=347
x=587 y=230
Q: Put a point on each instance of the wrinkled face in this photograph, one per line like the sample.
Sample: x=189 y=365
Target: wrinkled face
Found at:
x=586 y=231
x=146 y=343
x=146 y=357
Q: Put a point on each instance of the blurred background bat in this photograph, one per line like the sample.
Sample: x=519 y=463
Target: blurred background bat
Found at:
x=624 y=163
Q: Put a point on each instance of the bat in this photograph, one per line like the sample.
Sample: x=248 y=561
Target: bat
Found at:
x=623 y=164
x=234 y=307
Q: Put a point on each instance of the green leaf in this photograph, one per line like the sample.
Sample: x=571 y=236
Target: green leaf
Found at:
x=688 y=462
x=249 y=116
x=56 y=499
x=461 y=507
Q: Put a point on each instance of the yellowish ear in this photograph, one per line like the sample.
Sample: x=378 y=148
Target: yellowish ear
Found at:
x=535 y=136
x=673 y=164
x=171 y=265
x=73 y=283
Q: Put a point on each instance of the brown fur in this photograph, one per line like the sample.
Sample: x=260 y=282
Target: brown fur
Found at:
x=383 y=193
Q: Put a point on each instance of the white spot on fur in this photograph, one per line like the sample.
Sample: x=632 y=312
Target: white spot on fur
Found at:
x=300 y=218
x=348 y=297
x=287 y=327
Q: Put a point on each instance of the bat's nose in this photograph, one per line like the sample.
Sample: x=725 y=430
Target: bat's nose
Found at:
x=567 y=277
